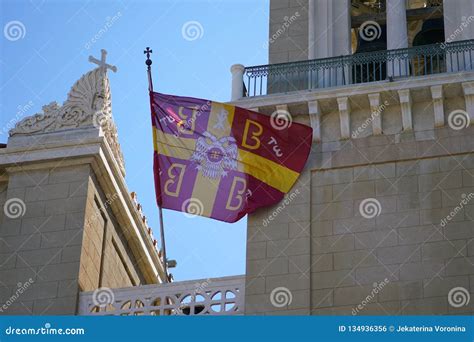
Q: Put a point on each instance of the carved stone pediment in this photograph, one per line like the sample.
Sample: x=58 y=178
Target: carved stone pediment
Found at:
x=88 y=104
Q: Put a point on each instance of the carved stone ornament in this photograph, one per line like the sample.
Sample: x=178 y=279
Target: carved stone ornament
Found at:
x=88 y=104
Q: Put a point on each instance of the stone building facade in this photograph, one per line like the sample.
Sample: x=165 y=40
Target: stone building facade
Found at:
x=68 y=222
x=381 y=221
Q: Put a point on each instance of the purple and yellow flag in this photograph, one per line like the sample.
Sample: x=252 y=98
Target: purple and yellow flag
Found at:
x=220 y=161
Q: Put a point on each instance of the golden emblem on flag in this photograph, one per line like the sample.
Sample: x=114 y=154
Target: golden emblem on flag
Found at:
x=214 y=157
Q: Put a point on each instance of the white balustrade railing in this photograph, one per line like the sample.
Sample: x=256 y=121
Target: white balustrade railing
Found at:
x=214 y=296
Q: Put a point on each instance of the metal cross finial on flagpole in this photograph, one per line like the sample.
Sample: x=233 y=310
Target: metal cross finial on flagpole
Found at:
x=101 y=63
x=148 y=52
x=148 y=63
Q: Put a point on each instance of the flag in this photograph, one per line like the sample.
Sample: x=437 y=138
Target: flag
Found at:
x=220 y=161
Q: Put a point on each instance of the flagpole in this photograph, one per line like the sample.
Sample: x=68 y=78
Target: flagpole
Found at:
x=148 y=63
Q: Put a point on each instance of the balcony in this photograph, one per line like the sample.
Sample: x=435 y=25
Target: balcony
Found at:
x=358 y=68
x=215 y=296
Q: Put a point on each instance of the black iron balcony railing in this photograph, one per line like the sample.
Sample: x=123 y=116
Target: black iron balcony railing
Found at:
x=358 y=68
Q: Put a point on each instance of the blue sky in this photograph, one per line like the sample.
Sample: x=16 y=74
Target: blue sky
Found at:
x=58 y=38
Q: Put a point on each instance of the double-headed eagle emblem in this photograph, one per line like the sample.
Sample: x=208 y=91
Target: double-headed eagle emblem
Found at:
x=215 y=156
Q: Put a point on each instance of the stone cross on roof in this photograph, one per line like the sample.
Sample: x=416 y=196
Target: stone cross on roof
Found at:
x=101 y=63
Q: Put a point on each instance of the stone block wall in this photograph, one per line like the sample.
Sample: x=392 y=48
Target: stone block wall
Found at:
x=278 y=250
x=106 y=260
x=288 y=31
x=65 y=240
x=405 y=251
x=367 y=232
x=40 y=248
x=92 y=244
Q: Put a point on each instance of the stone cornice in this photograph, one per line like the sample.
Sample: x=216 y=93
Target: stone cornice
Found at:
x=325 y=94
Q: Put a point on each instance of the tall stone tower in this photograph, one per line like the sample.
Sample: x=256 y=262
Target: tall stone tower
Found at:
x=381 y=221
x=68 y=222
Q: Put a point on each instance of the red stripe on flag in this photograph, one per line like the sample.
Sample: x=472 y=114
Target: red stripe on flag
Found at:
x=288 y=146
